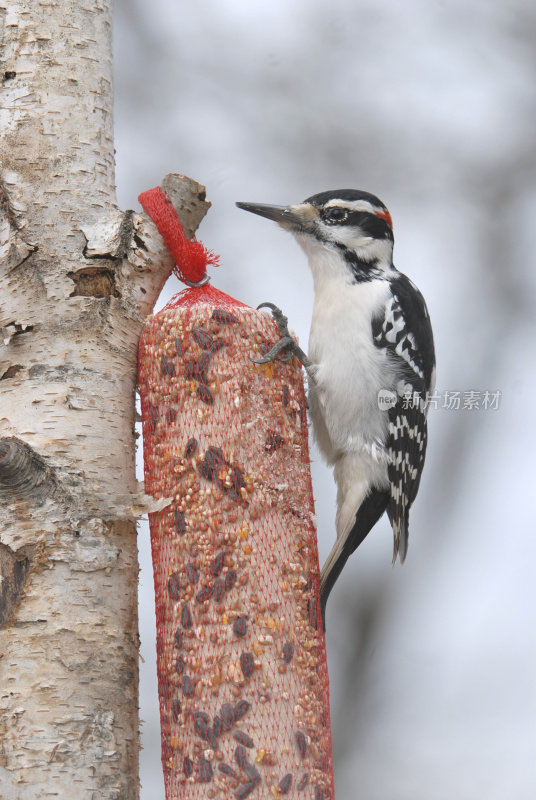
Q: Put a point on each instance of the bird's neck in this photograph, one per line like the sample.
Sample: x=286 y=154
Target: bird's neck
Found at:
x=330 y=262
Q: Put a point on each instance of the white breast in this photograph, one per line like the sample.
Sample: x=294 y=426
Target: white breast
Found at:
x=350 y=369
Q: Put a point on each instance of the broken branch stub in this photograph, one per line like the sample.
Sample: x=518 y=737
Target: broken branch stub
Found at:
x=23 y=472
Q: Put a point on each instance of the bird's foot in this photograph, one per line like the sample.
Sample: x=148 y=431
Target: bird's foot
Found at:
x=287 y=342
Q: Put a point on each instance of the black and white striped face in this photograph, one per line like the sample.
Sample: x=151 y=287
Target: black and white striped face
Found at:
x=354 y=222
x=348 y=217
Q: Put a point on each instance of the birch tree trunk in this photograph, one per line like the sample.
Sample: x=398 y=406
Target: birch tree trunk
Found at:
x=77 y=277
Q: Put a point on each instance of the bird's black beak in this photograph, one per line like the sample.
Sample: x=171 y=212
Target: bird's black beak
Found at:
x=282 y=214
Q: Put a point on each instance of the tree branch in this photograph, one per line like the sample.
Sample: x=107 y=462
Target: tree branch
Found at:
x=149 y=256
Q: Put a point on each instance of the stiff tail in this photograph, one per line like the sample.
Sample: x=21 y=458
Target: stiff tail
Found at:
x=366 y=517
x=400 y=525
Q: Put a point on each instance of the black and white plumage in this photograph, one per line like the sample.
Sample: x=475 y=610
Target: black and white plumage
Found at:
x=370 y=364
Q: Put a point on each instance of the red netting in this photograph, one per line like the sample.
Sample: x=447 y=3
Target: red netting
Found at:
x=242 y=667
x=191 y=257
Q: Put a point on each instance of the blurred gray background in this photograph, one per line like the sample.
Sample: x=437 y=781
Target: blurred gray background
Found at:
x=430 y=105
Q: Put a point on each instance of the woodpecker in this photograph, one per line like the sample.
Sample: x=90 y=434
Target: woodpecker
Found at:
x=370 y=364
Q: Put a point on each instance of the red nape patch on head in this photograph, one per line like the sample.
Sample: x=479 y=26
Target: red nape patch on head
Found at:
x=384 y=214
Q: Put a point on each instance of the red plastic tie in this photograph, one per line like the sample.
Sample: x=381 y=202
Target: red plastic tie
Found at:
x=191 y=257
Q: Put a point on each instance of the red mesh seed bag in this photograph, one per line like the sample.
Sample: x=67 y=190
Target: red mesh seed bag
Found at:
x=242 y=671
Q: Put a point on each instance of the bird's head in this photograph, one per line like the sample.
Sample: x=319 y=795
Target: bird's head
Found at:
x=345 y=227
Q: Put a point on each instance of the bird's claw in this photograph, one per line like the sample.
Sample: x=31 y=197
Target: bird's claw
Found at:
x=287 y=342
x=283 y=343
x=279 y=318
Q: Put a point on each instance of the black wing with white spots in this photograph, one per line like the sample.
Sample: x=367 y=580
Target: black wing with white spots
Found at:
x=405 y=333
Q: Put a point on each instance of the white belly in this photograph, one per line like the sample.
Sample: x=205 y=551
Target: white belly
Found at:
x=349 y=372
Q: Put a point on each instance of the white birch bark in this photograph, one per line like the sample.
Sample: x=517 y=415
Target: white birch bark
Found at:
x=77 y=277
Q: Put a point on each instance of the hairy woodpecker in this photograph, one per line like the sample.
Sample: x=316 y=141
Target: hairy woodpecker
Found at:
x=370 y=365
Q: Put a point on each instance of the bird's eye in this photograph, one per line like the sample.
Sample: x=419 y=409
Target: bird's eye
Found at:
x=334 y=215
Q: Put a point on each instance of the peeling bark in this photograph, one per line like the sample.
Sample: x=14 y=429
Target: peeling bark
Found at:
x=77 y=278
